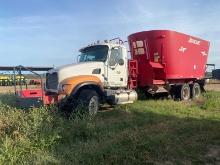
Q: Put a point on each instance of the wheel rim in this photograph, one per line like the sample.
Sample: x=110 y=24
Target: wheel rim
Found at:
x=196 y=92
x=93 y=106
x=186 y=93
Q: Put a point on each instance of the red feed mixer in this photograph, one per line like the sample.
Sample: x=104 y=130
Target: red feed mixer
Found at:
x=168 y=59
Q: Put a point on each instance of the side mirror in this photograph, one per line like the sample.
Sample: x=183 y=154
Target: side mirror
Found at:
x=121 y=62
x=78 y=57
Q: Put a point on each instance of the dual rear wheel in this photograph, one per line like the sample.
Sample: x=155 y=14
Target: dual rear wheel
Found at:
x=186 y=91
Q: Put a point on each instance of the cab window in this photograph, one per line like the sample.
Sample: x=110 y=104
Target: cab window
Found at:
x=115 y=56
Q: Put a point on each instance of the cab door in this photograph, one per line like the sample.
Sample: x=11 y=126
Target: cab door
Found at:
x=117 y=67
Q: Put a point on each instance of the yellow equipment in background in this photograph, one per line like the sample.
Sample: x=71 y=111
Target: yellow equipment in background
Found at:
x=8 y=80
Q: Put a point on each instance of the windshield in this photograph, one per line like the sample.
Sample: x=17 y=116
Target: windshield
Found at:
x=94 y=53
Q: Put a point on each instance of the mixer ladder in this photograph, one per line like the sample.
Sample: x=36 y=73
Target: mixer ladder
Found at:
x=133 y=72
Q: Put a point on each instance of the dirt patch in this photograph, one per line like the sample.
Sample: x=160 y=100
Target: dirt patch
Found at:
x=11 y=89
x=6 y=89
x=212 y=87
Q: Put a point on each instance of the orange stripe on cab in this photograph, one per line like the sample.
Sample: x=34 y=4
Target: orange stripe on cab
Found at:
x=70 y=83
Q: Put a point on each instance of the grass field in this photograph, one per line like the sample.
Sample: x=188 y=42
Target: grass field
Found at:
x=147 y=132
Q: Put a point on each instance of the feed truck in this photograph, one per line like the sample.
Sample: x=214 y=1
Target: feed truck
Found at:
x=162 y=61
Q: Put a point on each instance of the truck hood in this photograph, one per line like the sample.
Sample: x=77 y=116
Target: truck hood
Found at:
x=85 y=68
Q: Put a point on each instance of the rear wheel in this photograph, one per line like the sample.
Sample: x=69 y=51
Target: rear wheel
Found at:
x=89 y=101
x=182 y=92
x=195 y=91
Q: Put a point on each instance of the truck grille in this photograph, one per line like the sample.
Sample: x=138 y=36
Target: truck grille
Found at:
x=52 y=81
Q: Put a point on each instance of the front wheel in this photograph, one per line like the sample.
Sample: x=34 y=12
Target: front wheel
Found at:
x=88 y=100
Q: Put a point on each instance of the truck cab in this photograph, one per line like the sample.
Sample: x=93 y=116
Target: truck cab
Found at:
x=100 y=73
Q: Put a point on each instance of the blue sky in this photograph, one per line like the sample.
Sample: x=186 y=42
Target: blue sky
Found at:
x=50 y=32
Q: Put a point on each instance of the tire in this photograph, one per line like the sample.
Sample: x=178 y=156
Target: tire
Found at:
x=183 y=92
x=195 y=91
x=66 y=107
x=88 y=100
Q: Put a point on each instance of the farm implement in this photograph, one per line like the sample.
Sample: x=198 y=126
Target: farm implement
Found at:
x=27 y=96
